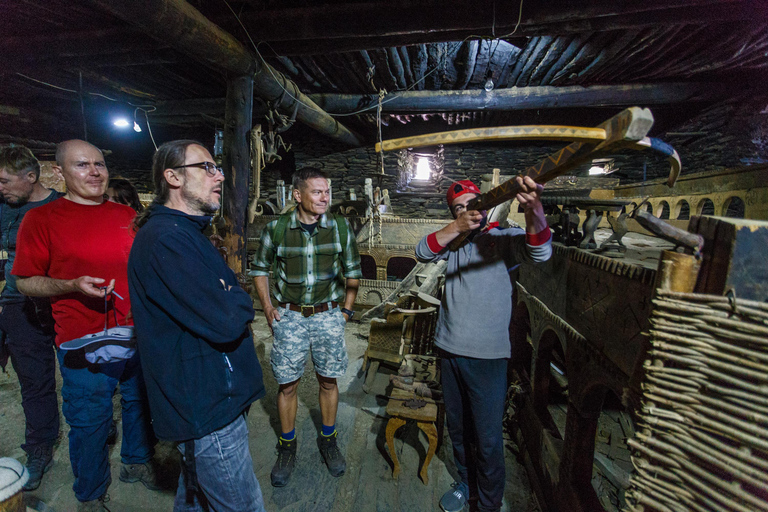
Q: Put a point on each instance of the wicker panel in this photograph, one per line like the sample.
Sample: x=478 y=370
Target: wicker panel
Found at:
x=702 y=441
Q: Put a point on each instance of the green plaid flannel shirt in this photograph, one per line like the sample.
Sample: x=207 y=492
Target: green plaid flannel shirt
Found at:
x=309 y=269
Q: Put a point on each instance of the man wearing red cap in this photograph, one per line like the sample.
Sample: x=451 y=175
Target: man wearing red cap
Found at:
x=474 y=355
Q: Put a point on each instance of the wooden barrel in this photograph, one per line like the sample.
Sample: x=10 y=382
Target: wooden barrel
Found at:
x=13 y=476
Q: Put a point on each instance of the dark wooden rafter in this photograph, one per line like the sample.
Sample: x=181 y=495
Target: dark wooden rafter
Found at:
x=519 y=98
x=538 y=54
x=186 y=29
x=522 y=58
x=353 y=26
x=731 y=52
x=508 y=61
x=575 y=43
x=668 y=37
x=684 y=37
x=318 y=73
x=522 y=98
x=383 y=77
x=554 y=50
x=615 y=70
x=396 y=66
x=605 y=56
x=468 y=55
x=618 y=46
x=356 y=70
x=586 y=55
x=405 y=58
x=419 y=64
x=99 y=43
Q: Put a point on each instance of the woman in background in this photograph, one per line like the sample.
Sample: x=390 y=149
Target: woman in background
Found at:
x=122 y=191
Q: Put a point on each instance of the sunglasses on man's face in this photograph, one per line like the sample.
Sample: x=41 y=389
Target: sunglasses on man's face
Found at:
x=210 y=167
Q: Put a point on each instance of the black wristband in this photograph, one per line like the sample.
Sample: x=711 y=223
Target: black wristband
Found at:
x=349 y=312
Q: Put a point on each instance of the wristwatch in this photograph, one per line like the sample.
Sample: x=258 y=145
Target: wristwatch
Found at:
x=349 y=313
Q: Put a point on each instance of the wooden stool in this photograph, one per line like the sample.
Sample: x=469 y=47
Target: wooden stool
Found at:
x=425 y=419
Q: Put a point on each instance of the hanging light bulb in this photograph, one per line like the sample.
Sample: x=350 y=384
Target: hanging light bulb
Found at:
x=136 y=127
x=488 y=81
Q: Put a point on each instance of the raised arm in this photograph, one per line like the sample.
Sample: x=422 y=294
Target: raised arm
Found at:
x=529 y=198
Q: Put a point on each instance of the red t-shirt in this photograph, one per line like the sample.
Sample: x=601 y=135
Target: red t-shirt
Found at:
x=66 y=240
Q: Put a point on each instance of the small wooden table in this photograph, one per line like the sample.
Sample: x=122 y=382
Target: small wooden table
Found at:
x=425 y=418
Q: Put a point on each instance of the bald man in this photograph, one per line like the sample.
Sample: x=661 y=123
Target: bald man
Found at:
x=75 y=251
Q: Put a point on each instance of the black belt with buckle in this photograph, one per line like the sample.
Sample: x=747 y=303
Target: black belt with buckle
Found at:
x=307 y=311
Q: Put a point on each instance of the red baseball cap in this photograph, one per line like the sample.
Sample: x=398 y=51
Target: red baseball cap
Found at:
x=459 y=189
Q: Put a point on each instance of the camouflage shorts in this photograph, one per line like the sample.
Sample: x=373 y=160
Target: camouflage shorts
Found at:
x=295 y=335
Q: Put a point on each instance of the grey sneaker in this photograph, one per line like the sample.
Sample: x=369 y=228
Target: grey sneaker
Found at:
x=143 y=473
x=331 y=454
x=93 y=505
x=455 y=499
x=38 y=462
x=286 y=459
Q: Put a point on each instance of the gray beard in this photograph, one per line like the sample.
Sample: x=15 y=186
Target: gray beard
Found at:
x=198 y=205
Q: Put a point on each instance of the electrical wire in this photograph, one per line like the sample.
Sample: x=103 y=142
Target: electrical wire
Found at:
x=519 y=18
x=375 y=104
x=86 y=92
x=149 y=128
x=144 y=108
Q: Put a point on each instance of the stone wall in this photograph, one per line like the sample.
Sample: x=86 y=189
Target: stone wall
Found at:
x=349 y=167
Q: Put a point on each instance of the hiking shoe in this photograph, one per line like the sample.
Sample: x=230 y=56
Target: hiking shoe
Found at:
x=331 y=454
x=143 y=473
x=112 y=435
x=38 y=462
x=455 y=499
x=286 y=459
x=93 y=505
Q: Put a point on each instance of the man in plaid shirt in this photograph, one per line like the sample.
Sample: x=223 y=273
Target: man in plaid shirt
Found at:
x=312 y=256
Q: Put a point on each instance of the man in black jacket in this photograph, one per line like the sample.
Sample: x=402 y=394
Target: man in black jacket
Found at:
x=26 y=323
x=192 y=321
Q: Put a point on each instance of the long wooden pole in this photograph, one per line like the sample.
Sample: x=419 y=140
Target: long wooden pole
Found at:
x=525 y=98
x=184 y=28
x=236 y=160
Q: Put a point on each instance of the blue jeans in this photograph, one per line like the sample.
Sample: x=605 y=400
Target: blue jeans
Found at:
x=87 y=391
x=219 y=475
x=475 y=391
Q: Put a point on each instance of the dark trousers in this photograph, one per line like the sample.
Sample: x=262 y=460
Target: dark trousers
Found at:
x=475 y=391
x=29 y=340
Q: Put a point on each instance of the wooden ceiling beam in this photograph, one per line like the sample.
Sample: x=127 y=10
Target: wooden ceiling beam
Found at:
x=525 y=98
x=103 y=41
x=184 y=28
x=517 y=98
x=128 y=58
x=347 y=27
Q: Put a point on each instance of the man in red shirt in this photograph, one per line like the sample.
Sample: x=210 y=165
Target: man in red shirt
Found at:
x=75 y=251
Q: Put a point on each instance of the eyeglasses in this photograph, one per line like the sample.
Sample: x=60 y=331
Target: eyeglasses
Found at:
x=210 y=167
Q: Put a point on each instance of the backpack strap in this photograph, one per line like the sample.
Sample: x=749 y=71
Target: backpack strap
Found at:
x=280 y=227
x=341 y=228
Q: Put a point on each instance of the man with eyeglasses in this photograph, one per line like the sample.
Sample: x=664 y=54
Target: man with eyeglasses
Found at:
x=26 y=323
x=193 y=327
x=75 y=251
